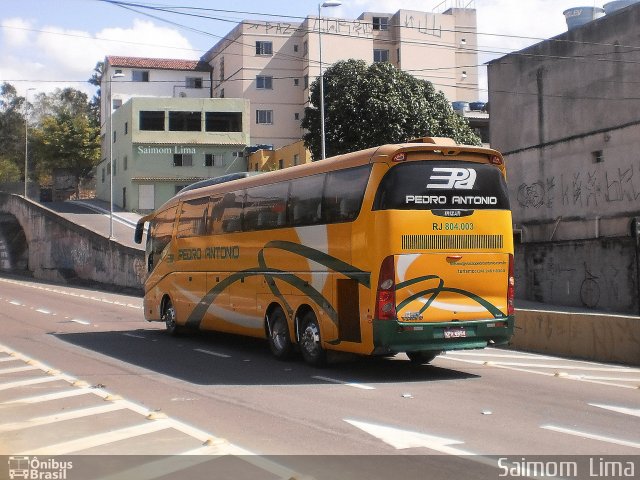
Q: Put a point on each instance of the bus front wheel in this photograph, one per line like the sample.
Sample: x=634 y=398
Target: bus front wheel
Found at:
x=310 y=343
x=169 y=318
x=419 y=358
x=278 y=334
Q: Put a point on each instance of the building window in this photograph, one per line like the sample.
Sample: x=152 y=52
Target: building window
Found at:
x=380 y=55
x=296 y=159
x=116 y=103
x=178 y=188
x=193 y=82
x=264 y=82
x=125 y=162
x=222 y=93
x=140 y=75
x=114 y=136
x=306 y=82
x=185 y=121
x=264 y=117
x=182 y=160
x=223 y=121
x=103 y=174
x=281 y=164
x=115 y=167
x=296 y=116
x=597 y=156
x=222 y=69
x=296 y=82
x=264 y=48
x=305 y=48
x=152 y=121
x=381 y=23
x=213 y=160
x=126 y=128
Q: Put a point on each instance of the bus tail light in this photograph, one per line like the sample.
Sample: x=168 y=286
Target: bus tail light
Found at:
x=386 y=294
x=511 y=288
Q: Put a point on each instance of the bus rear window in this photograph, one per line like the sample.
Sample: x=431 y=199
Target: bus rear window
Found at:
x=435 y=185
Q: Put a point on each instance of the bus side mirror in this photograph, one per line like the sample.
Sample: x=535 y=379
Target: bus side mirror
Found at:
x=139 y=231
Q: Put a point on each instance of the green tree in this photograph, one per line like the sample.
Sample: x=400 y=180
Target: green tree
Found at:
x=372 y=105
x=68 y=136
x=11 y=133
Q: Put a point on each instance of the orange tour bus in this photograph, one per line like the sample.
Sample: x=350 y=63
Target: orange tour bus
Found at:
x=398 y=248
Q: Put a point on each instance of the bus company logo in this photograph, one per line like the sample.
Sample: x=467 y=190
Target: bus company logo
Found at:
x=456 y=178
x=36 y=469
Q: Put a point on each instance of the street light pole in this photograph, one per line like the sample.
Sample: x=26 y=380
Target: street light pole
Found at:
x=322 y=131
x=115 y=75
x=26 y=142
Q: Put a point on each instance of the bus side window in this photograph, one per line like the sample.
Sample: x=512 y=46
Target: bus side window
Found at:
x=266 y=207
x=231 y=218
x=343 y=194
x=215 y=220
x=305 y=200
x=193 y=217
x=159 y=236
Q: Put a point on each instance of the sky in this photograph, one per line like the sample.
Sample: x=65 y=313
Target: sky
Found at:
x=49 y=44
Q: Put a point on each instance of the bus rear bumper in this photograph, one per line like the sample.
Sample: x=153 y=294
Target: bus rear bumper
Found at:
x=395 y=337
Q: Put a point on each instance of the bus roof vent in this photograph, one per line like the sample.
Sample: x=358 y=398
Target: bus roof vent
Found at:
x=434 y=140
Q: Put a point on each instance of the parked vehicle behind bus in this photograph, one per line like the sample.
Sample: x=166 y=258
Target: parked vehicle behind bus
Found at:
x=398 y=248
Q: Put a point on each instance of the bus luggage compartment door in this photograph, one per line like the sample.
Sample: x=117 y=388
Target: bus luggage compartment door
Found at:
x=445 y=287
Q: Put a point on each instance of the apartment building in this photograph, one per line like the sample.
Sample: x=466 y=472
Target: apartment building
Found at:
x=160 y=145
x=272 y=63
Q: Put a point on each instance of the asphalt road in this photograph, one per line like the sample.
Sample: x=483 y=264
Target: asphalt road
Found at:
x=81 y=372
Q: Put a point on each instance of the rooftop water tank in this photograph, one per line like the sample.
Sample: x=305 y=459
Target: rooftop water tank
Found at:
x=611 y=7
x=578 y=16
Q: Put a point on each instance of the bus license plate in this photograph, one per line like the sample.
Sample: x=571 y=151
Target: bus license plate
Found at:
x=455 y=332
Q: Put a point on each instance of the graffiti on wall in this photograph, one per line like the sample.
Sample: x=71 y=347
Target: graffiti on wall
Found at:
x=594 y=274
x=586 y=188
x=343 y=27
x=427 y=25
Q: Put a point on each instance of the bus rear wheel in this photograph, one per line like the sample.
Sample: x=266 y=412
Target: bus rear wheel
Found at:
x=419 y=358
x=169 y=318
x=278 y=334
x=310 y=343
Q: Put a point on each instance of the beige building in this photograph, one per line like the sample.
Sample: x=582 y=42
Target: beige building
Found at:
x=273 y=63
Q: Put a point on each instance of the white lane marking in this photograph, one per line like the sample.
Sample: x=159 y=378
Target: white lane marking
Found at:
x=61 y=292
x=627 y=411
x=215 y=354
x=18 y=369
x=548 y=365
x=349 y=384
x=591 y=436
x=619 y=379
x=100 y=439
x=61 y=417
x=81 y=322
x=546 y=374
x=8 y=359
x=133 y=335
x=32 y=381
x=49 y=396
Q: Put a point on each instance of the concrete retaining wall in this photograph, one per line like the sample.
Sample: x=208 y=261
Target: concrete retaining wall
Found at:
x=62 y=251
x=592 y=336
